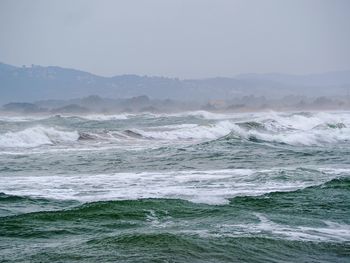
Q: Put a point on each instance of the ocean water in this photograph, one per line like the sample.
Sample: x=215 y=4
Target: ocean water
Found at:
x=186 y=187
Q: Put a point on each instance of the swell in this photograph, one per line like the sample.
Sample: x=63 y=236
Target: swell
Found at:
x=14 y=205
x=169 y=247
x=327 y=200
x=332 y=195
x=309 y=225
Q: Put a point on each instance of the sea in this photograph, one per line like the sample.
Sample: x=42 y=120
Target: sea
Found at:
x=183 y=187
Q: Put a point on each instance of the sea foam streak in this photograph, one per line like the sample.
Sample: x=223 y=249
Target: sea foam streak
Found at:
x=330 y=232
x=212 y=187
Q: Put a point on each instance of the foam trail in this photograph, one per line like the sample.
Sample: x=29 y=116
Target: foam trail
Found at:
x=330 y=232
x=101 y=117
x=22 y=118
x=211 y=187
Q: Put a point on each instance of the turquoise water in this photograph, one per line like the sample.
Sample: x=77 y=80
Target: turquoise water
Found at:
x=187 y=187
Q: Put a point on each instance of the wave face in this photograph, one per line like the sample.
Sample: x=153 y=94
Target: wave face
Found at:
x=36 y=136
x=296 y=129
x=173 y=229
x=185 y=187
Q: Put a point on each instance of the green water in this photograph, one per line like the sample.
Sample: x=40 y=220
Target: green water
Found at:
x=194 y=187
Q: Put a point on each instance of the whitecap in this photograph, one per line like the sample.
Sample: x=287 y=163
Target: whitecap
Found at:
x=36 y=136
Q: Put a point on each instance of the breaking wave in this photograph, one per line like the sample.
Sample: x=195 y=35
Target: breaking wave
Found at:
x=330 y=133
x=187 y=132
x=37 y=136
x=298 y=129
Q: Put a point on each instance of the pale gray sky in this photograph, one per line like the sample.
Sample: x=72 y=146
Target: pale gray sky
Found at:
x=182 y=38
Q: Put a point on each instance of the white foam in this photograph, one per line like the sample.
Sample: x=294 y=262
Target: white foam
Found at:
x=191 y=131
x=223 y=128
x=103 y=117
x=212 y=187
x=294 y=129
x=311 y=137
x=205 y=115
x=22 y=118
x=291 y=128
x=36 y=136
x=298 y=129
x=330 y=232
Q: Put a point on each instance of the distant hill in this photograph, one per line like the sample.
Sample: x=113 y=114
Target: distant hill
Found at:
x=335 y=78
x=27 y=84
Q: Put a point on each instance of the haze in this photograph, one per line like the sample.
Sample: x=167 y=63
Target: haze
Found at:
x=186 y=39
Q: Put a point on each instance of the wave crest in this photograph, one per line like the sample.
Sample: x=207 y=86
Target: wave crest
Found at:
x=37 y=136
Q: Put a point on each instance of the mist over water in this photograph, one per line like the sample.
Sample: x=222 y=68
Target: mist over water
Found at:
x=192 y=186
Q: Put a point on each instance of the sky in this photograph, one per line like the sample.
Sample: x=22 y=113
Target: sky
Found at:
x=177 y=38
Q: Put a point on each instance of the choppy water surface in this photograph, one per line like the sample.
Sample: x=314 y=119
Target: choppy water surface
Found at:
x=187 y=187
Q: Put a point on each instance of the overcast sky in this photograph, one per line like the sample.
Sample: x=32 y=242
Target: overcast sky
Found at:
x=181 y=38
